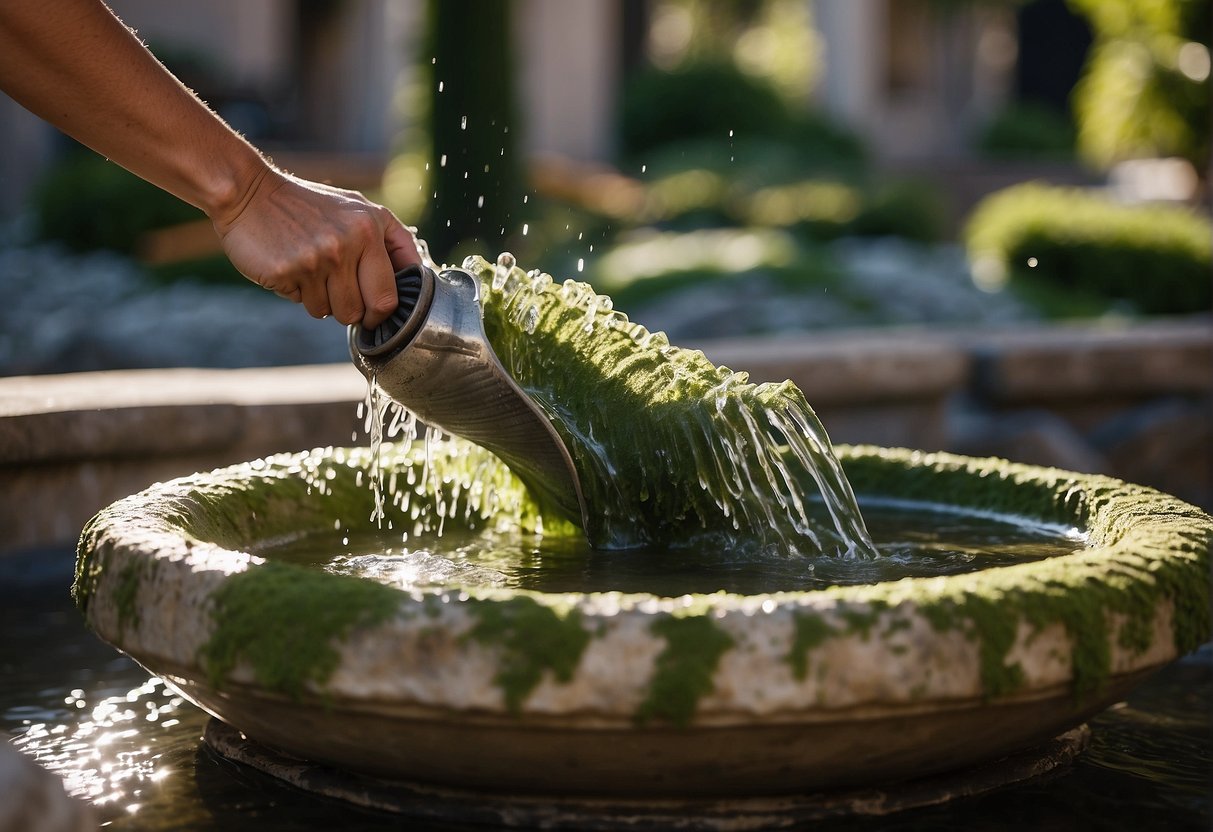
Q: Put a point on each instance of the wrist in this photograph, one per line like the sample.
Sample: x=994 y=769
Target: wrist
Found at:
x=230 y=185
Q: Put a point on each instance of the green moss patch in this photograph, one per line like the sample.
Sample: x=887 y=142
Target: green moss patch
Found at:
x=811 y=630
x=684 y=669
x=286 y=622
x=532 y=639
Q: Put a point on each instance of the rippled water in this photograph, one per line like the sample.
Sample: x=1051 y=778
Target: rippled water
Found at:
x=121 y=740
x=913 y=539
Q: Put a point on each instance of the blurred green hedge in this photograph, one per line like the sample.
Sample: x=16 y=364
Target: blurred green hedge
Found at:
x=715 y=99
x=88 y=202
x=1157 y=257
x=1027 y=131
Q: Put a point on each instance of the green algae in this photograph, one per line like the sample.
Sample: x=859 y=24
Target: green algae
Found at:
x=126 y=595
x=286 y=622
x=667 y=445
x=91 y=556
x=532 y=638
x=1148 y=549
x=683 y=672
x=811 y=631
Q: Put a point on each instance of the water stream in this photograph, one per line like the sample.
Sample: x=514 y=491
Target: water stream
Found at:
x=669 y=448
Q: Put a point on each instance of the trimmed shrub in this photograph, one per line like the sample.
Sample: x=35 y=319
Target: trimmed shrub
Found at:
x=1027 y=131
x=704 y=99
x=1157 y=257
x=88 y=202
x=716 y=100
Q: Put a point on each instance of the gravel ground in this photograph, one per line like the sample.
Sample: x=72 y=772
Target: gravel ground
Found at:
x=889 y=281
x=70 y=312
x=65 y=312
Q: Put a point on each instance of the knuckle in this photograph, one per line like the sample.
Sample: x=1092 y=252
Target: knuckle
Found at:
x=365 y=225
x=384 y=304
x=328 y=250
x=350 y=316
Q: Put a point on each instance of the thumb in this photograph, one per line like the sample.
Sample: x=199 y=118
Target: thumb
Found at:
x=377 y=283
x=400 y=243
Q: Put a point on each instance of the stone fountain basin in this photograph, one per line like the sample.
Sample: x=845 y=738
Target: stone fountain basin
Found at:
x=633 y=694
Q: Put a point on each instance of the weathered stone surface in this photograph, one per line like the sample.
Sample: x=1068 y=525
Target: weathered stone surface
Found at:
x=71 y=444
x=928 y=674
x=1036 y=437
x=1077 y=362
x=1166 y=443
x=139 y=413
x=851 y=368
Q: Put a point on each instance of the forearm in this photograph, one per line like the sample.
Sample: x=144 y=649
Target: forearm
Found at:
x=74 y=64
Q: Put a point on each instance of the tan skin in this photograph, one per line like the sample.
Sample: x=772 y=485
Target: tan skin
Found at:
x=73 y=63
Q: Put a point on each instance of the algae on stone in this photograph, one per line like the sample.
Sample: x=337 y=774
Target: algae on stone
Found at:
x=286 y=622
x=1146 y=548
x=532 y=639
x=683 y=671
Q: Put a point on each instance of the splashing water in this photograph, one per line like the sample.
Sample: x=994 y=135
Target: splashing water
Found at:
x=668 y=446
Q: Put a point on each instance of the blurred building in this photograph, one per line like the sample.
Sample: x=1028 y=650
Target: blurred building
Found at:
x=915 y=76
x=321 y=83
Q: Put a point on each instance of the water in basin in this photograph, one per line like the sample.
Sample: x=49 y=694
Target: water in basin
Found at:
x=913 y=539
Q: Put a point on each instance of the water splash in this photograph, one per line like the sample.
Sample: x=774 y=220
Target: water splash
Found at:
x=668 y=446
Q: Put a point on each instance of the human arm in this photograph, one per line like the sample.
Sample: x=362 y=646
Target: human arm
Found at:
x=75 y=64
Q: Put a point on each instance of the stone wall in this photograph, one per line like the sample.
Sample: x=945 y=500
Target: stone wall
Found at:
x=1132 y=401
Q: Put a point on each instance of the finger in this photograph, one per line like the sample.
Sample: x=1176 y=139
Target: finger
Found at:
x=294 y=295
x=377 y=283
x=345 y=297
x=401 y=245
x=315 y=299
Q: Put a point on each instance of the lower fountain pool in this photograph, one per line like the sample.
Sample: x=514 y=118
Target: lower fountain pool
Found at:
x=126 y=743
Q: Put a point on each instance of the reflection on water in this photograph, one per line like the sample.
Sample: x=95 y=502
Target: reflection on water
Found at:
x=126 y=743
x=913 y=540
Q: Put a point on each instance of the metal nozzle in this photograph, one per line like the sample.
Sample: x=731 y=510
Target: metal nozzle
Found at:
x=433 y=357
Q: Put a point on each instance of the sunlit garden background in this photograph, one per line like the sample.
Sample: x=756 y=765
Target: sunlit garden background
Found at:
x=755 y=168
x=972 y=226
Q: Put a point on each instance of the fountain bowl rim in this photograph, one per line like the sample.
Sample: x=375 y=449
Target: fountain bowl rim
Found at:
x=1134 y=600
